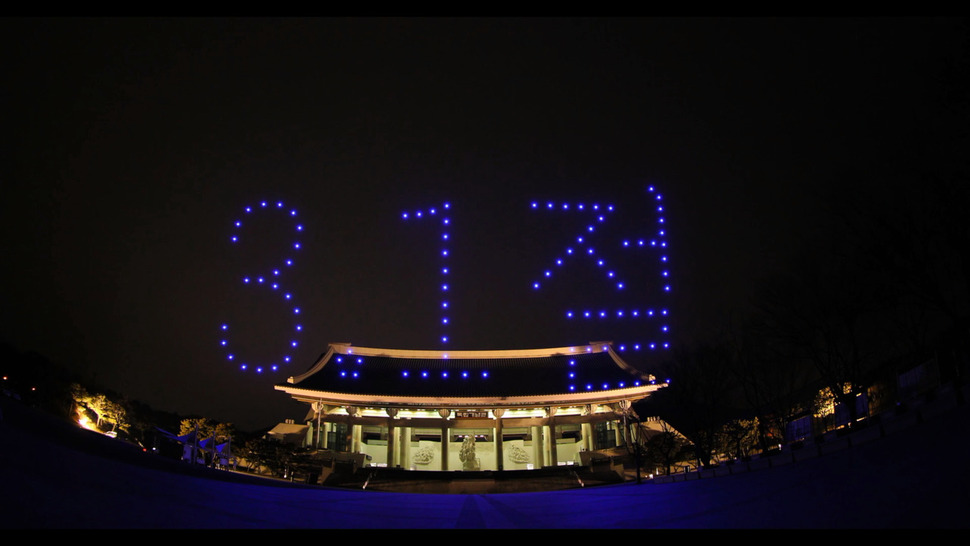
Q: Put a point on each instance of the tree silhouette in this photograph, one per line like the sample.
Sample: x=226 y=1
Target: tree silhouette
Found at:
x=700 y=397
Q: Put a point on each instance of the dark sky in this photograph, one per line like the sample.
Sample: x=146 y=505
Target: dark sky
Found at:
x=132 y=147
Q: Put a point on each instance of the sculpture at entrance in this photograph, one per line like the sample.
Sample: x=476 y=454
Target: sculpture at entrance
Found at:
x=517 y=454
x=467 y=454
x=423 y=455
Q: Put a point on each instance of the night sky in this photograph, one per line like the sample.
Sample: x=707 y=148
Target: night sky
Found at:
x=132 y=146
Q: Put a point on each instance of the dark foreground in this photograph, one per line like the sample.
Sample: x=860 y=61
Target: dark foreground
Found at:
x=54 y=476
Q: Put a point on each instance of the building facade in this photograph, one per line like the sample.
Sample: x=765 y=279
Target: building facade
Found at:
x=469 y=410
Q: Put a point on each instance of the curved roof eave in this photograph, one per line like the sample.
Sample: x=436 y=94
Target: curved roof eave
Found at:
x=348 y=349
x=324 y=358
x=342 y=399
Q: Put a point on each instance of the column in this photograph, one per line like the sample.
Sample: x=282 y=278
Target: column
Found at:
x=499 y=457
x=319 y=408
x=618 y=432
x=622 y=425
x=587 y=436
x=444 y=438
x=537 y=446
x=356 y=438
x=352 y=430
x=404 y=458
x=391 y=432
x=549 y=444
x=553 y=447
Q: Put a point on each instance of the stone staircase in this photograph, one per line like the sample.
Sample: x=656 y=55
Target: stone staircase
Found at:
x=465 y=482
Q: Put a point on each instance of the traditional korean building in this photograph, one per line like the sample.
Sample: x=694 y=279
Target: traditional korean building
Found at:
x=469 y=410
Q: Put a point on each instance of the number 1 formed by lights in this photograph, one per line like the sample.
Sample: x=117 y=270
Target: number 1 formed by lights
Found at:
x=444 y=213
x=268 y=280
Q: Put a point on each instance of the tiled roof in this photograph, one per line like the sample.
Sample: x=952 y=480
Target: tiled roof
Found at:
x=568 y=370
x=289 y=428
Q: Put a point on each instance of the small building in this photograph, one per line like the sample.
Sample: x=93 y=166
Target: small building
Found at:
x=470 y=410
x=289 y=432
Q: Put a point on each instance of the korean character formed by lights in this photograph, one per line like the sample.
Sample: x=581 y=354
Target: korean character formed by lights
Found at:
x=270 y=280
x=581 y=247
x=442 y=213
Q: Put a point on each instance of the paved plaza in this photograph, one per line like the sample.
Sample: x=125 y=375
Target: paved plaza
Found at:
x=57 y=477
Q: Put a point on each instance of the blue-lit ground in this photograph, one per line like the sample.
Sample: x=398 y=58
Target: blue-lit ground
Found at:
x=54 y=477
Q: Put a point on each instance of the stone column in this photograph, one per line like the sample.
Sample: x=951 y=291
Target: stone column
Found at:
x=618 y=432
x=392 y=445
x=587 y=436
x=319 y=408
x=537 y=446
x=405 y=451
x=391 y=432
x=499 y=457
x=444 y=413
x=622 y=424
x=546 y=449
x=553 y=447
x=354 y=446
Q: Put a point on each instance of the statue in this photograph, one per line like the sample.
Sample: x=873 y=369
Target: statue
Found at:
x=423 y=455
x=467 y=454
x=517 y=454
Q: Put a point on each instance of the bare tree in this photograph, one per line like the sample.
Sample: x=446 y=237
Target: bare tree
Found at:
x=827 y=310
x=699 y=398
x=663 y=449
x=920 y=241
x=740 y=436
x=773 y=384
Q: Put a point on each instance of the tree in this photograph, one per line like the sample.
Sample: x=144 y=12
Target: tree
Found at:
x=700 y=395
x=207 y=428
x=664 y=449
x=268 y=453
x=305 y=462
x=37 y=381
x=143 y=421
x=918 y=238
x=106 y=411
x=740 y=437
x=773 y=384
x=828 y=310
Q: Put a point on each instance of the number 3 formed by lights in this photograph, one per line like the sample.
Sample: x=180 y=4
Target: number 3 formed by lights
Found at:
x=268 y=280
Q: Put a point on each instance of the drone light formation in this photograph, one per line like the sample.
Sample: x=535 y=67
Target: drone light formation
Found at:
x=581 y=247
x=614 y=252
x=442 y=212
x=269 y=280
x=652 y=246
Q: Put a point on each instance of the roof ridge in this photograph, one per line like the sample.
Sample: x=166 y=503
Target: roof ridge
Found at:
x=443 y=354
